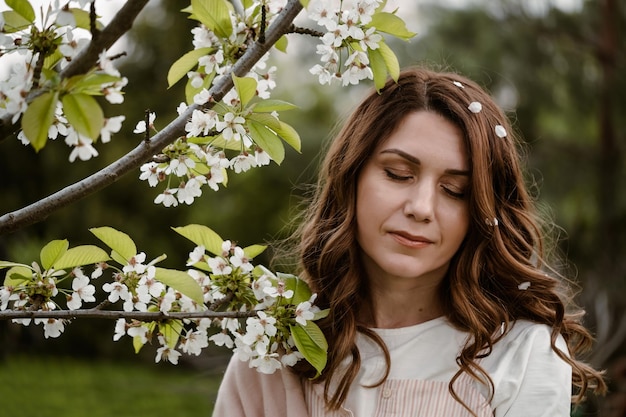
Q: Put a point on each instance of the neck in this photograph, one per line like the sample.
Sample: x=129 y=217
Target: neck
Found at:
x=401 y=305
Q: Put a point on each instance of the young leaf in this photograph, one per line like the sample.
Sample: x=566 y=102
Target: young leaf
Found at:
x=118 y=241
x=14 y=22
x=23 y=8
x=246 y=88
x=379 y=68
x=214 y=14
x=391 y=61
x=84 y=113
x=202 y=235
x=182 y=282
x=268 y=106
x=82 y=19
x=301 y=291
x=289 y=135
x=38 y=118
x=17 y=275
x=90 y=84
x=266 y=140
x=81 y=255
x=311 y=343
x=9 y=264
x=391 y=24
x=253 y=251
x=171 y=330
x=281 y=44
x=53 y=251
x=184 y=64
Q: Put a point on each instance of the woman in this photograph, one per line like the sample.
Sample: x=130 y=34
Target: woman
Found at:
x=423 y=241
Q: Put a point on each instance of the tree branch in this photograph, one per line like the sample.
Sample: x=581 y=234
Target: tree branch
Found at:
x=95 y=313
x=121 y=23
x=41 y=209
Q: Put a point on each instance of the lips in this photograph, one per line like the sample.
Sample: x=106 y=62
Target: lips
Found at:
x=410 y=240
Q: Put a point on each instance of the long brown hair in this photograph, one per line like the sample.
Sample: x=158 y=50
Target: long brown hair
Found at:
x=503 y=249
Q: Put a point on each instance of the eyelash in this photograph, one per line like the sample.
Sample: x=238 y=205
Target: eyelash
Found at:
x=396 y=177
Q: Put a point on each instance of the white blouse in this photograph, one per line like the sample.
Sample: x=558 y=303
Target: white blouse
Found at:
x=529 y=379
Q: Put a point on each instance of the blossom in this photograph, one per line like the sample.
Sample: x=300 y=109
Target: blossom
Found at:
x=148 y=286
x=475 y=107
x=500 y=131
x=267 y=364
x=222 y=339
x=51 y=327
x=291 y=358
x=117 y=291
x=83 y=148
x=243 y=162
x=306 y=311
x=211 y=62
x=201 y=123
x=196 y=255
x=167 y=301
x=111 y=125
x=165 y=352
x=167 y=198
x=194 y=342
x=120 y=329
x=278 y=291
x=219 y=266
x=83 y=291
x=239 y=260
x=141 y=126
x=150 y=171
x=180 y=166
x=140 y=332
x=232 y=127
x=136 y=264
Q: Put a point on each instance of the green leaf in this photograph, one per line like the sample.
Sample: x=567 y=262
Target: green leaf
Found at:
x=391 y=61
x=267 y=140
x=379 y=68
x=38 y=118
x=246 y=88
x=283 y=130
x=82 y=19
x=311 y=342
x=321 y=314
x=391 y=24
x=202 y=236
x=17 y=276
x=268 y=106
x=253 y=251
x=50 y=61
x=90 y=83
x=281 y=44
x=214 y=14
x=53 y=251
x=182 y=282
x=184 y=64
x=304 y=3
x=301 y=290
x=81 y=255
x=118 y=241
x=84 y=113
x=8 y=264
x=14 y=22
x=171 y=332
x=191 y=91
x=23 y=8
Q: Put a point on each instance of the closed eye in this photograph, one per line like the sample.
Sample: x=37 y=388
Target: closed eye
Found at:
x=454 y=194
x=392 y=175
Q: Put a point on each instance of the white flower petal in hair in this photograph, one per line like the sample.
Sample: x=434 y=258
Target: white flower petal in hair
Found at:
x=500 y=131
x=492 y=222
x=475 y=107
x=524 y=285
x=458 y=84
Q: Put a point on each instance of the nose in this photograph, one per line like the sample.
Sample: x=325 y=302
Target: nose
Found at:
x=420 y=202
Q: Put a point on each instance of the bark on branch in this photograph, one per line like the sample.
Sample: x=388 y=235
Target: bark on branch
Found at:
x=39 y=210
x=95 y=313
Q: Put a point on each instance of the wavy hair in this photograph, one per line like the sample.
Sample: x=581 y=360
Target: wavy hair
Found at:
x=503 y=249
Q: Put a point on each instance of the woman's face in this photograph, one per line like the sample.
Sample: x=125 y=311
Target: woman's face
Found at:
x=412 y=209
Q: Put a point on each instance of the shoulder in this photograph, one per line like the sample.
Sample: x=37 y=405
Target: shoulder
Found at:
x=246 y=392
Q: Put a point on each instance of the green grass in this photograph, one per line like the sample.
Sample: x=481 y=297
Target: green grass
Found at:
x=53 y=387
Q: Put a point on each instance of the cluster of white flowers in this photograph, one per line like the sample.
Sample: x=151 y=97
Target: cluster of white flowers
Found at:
x=265 y=341
x=346 y=32
x=18 y=83
x=196 y=164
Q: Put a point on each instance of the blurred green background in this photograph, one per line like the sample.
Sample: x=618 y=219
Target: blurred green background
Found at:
x=559 y=71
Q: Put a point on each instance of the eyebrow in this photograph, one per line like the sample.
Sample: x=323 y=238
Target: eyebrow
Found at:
x=414 y=160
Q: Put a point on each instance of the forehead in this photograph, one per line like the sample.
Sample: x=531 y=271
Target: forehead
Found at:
x=429 y=137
